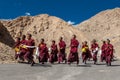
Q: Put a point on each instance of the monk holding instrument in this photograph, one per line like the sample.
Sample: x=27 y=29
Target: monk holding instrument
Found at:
x=29 y=54
x=17 y=47
x=85 y=52
x=94 y=50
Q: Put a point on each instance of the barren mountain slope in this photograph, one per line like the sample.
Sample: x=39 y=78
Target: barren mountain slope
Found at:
x=104 y=25
x=42 y=26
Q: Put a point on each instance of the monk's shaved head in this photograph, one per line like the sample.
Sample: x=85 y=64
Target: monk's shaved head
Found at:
x=23 y=36
x=74 y=36
x=42 y=40
x=104 y=41
x=61 y=38
x=94 y=40
x=29 y=36
x=108 y=41
x=53 y=41
x=85 y=42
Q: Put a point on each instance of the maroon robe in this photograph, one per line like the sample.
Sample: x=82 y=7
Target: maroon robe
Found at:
x=62 y=55
x=73 y=56
x=17 y=45
x=85 y=55
x=29 y=54
x=43 y=55
x=93 y=47
x=22 y=50
x=54 y=52
x=103 y=55
x=109 y=53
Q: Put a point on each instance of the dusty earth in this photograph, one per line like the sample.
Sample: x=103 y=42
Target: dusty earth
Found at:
x=60 y=72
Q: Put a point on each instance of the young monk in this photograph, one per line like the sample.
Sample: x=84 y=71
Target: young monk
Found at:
x=17 y=47
x=43 y=55
x=54 y=52
x=103 y=48
x=23 y=49
x=94 y=50
x=73 y=56
x=29 y=54
x=61 y=54
x=109 y=52
x=85 y=52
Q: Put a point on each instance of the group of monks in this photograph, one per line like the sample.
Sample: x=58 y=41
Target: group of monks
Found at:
x=106 y=52
x=57 y=52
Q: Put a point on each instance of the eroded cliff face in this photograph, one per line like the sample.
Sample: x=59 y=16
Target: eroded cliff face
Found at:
x=6 y=43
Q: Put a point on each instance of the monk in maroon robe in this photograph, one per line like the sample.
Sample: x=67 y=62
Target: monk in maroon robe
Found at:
x=47 y=54
x=43 y=55
x=17 y=45
x=85 y=52
x=103 y=48
x=94 y=48
x=109 y=52
x=61 y=54
x=54 y=52
x=29 y=54
x=23 y=50
x=73 y=56
x=89 y=55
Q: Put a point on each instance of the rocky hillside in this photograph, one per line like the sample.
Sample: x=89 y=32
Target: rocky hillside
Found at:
x=40 y=26
x=101 y=26
x=104 y=25
x=6 y=43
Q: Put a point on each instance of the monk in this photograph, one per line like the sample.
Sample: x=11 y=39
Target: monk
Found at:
x=61 y=54
x=47 y=54
x=109 y=52
x=43 y=55
x=29 y=54
x=89 y=55
x=23 y=50
x=17 y=47
x=103 y=48
x=54 y=52
x=85 y=52
x=94 y=50
x=73 y=56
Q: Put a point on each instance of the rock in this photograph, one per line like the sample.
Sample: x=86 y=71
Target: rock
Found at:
x=104 y=25
x=40 y=26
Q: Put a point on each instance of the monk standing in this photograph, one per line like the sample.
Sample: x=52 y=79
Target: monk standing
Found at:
x=103 y=48
x=62 y=47
x=109 y=52
x=85 y=52
x=54 y=52
x=73 y=56
x=23 y=50
x=94 y=49
x=17 y=47
x=43 y=55
x=29 y=54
